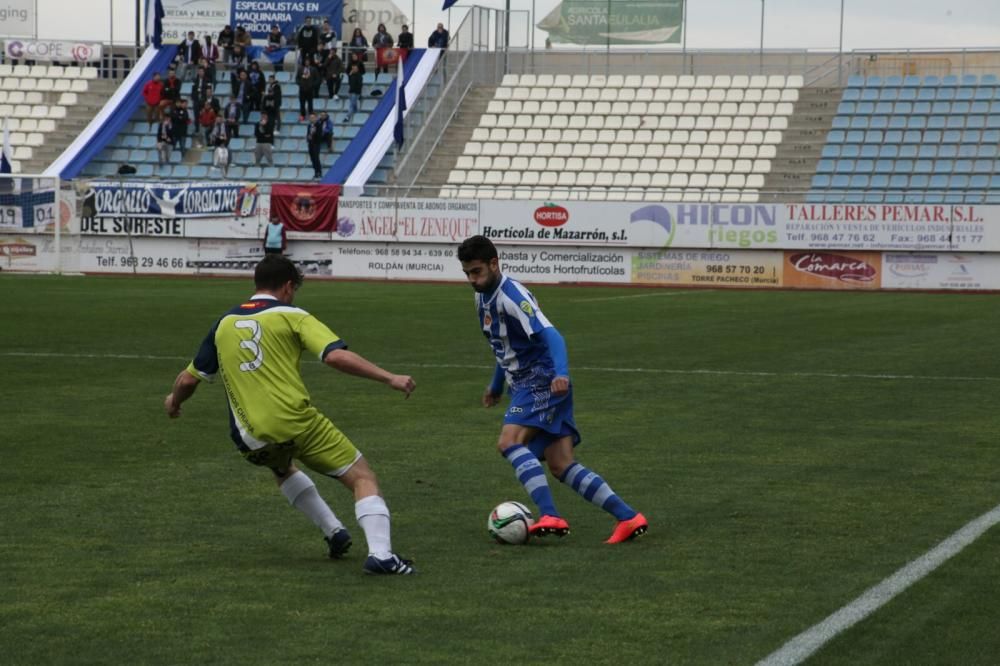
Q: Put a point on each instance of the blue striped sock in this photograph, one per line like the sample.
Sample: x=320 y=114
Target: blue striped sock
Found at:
x=593 y=488
x=532 y=476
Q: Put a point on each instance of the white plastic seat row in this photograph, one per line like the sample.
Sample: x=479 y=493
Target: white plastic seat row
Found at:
x=497 y=108
x=653 y=81
x=36 y=111
x=44 y=85
x=26 y=139
x=519 y=164
x=730 y=151
x=604 y=193
x=30 y=125
x=680 y=136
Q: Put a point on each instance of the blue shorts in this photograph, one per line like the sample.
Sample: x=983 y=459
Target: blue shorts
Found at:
x=551 y=415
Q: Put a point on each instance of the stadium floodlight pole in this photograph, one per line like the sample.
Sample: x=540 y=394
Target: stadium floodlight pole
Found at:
x=138 y=30
x=761 y=36
x=840 y=48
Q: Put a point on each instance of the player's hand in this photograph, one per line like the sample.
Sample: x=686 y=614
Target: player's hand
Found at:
x=560 y=386
x=490 y=399
x=172 y=406
x=403 y=383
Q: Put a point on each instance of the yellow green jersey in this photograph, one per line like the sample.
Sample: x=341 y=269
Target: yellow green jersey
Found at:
x=256 y=347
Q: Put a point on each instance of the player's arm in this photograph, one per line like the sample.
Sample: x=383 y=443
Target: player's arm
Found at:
x=495 y=390
x=354 y=364
x=557 y=350
x=184 y=387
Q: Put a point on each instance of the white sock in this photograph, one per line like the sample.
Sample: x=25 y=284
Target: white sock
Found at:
x=301 y=493
x=373 y=516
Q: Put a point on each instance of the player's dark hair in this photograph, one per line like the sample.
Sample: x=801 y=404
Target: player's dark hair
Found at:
x=274 y=271
x=477 y=248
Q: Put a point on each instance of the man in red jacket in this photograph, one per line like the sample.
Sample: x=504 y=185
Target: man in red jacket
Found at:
x=152 y=92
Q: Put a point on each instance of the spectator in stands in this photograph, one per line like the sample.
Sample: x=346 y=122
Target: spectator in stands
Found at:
x=271 y=104
x=314 y=139
x=381 y=40
x=232 y=117
x=438 y=38
x=220 y=139
x=180 y=119
x=358 y=46
x=258 y=83
x=152 y=92
x=264 y=133
x=199 y=88
x=307 y=41
x=334 y=70
x=171 y=88
x=355 y=84
x=240 y=58
x=210 y=55
x=242 y=38
x=307 y=91
x=226 y=40
x=405 y=39
x=210 y=98
x=275 y=40
x=164 y=139
x=206 y=122
x=244 y=93
x=357 y=60
x=327 y=123
x=327 y=40
x=188 y=55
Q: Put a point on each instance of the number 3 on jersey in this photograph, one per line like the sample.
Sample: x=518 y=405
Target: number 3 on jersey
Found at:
x=253 y=344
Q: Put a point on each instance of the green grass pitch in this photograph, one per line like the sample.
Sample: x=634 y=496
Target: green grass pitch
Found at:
x=789 y=449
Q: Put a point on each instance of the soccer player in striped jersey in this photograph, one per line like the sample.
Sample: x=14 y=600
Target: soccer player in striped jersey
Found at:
x=538 y=425
x=256 y=349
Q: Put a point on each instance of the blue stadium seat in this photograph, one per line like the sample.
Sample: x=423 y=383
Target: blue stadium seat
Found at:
x=130 y=141
x=958 y=181
x=850 y=151
x=271 y=173
x=896 y=81
x=993 y=121
x=962 y=166
x=916 y=122
x=854 y=136
x=971 y=136
x=147 y=142
x=991 y=136
x=960 y=107
x=846 y=108
x=883 y=108
x=943 y=166
x=854 y=95
x=923 y=166
x=841 y=122
x=969 y=80
x=980 y=108
x=894 y=136
x=907 y=94
x=979 y=182
x=844 y=166
x=944 y=94
x=983 y=95
x=830 y=152
x=912 y=197
x=874 y=82
x=289 y=173
x=899 y=181
x=931 y=81
x=880 y=181
x=859 y=181
x=888 y=151
x=927 y=151
x=947 y=151
x=920 y=181
x=941 y=108
x=953 y=198
x=836 y=136
x=865 y=108
x=908 y=152
x=897 y=122
x=235 y=171
x=870 y=150
x=912 y=81
x=144 y=170
x=988 y=80
x=949 y=81
x=936 y=122
x=922 y=108
x=855 y=81
x=840 y=181
x=982 y=166
x=888 y=95
x=180 y=171
x=974 y=197
x=237 y=144
x=253 y=172
x=199 y=171
x=913 y=136
x=281 y=159
x=884 y=166
x=904 y=166
x=879 y=122
x=926 y=94
x=298 y=159
x=139 y=155
x=869 y=95
x=815 y=197
x=975 y=122
x=965 y=94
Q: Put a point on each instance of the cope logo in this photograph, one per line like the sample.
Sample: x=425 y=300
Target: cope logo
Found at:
x=551 y=215
x=82 y=52
x=345 y=227
x=833 y=266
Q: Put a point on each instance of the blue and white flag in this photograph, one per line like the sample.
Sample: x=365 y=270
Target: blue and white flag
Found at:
x=154 y=22
x=448 y=4
x=5 y=153
x=400 y=99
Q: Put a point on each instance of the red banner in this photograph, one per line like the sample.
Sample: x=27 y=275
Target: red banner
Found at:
x=305 y=207
x=387 y=57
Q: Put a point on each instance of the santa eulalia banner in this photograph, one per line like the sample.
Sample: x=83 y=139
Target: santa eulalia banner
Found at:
x=305 y=207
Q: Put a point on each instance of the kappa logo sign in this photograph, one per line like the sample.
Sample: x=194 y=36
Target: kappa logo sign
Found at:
x=551 y=215
x=833 y=266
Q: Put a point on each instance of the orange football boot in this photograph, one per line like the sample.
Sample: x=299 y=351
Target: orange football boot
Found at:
x=549 y=525
x=626 y=530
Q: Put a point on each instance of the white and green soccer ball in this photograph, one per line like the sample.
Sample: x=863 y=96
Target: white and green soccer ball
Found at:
x=509 y=522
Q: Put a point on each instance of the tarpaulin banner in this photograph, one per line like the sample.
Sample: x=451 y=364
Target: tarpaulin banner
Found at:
x=171 y=200
x=389 y=57
x=305 y=207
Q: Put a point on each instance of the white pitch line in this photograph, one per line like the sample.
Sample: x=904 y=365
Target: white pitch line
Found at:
x=649 y=371
x=688 y=292
x=805 y=644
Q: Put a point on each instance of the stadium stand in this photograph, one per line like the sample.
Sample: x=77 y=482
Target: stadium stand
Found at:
x=913 y=140
x=136 y=144
x=626 y=137
x=45 y=106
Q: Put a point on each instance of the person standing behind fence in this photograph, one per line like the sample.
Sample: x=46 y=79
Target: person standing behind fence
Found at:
x=164 y=139
x=314 y=139
x=405 y=39
x=327 y=40
x=232 y=117
x=438 y=38
x=381 y=40
x=358 y=46
x=271 y=104
x=188 y=55
x=210 y=53
x=206 y=122
x=307 y=41
x=220 y=139
x=275 y=238
x=199 y=88
x=180 y=119
x=355 y=84
x=307 y=90
x=264 y=133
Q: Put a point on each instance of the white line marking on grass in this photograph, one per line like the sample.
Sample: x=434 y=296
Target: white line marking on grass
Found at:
x=688 y=292
x=805 y=644
x=648 y=371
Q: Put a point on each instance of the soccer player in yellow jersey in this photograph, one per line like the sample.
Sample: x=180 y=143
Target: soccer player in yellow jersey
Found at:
x=255 y=348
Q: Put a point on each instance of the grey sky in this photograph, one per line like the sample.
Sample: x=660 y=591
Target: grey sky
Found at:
x=711 y=23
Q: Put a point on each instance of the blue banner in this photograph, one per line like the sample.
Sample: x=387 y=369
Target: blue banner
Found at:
x=257 y=16
x=171 y=200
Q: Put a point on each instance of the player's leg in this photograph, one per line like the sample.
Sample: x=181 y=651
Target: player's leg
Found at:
x=328 y=451
x=589 y=485
x=529 y=471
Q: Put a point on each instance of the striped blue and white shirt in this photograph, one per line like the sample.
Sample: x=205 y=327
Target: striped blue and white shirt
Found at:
x=512 y=321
